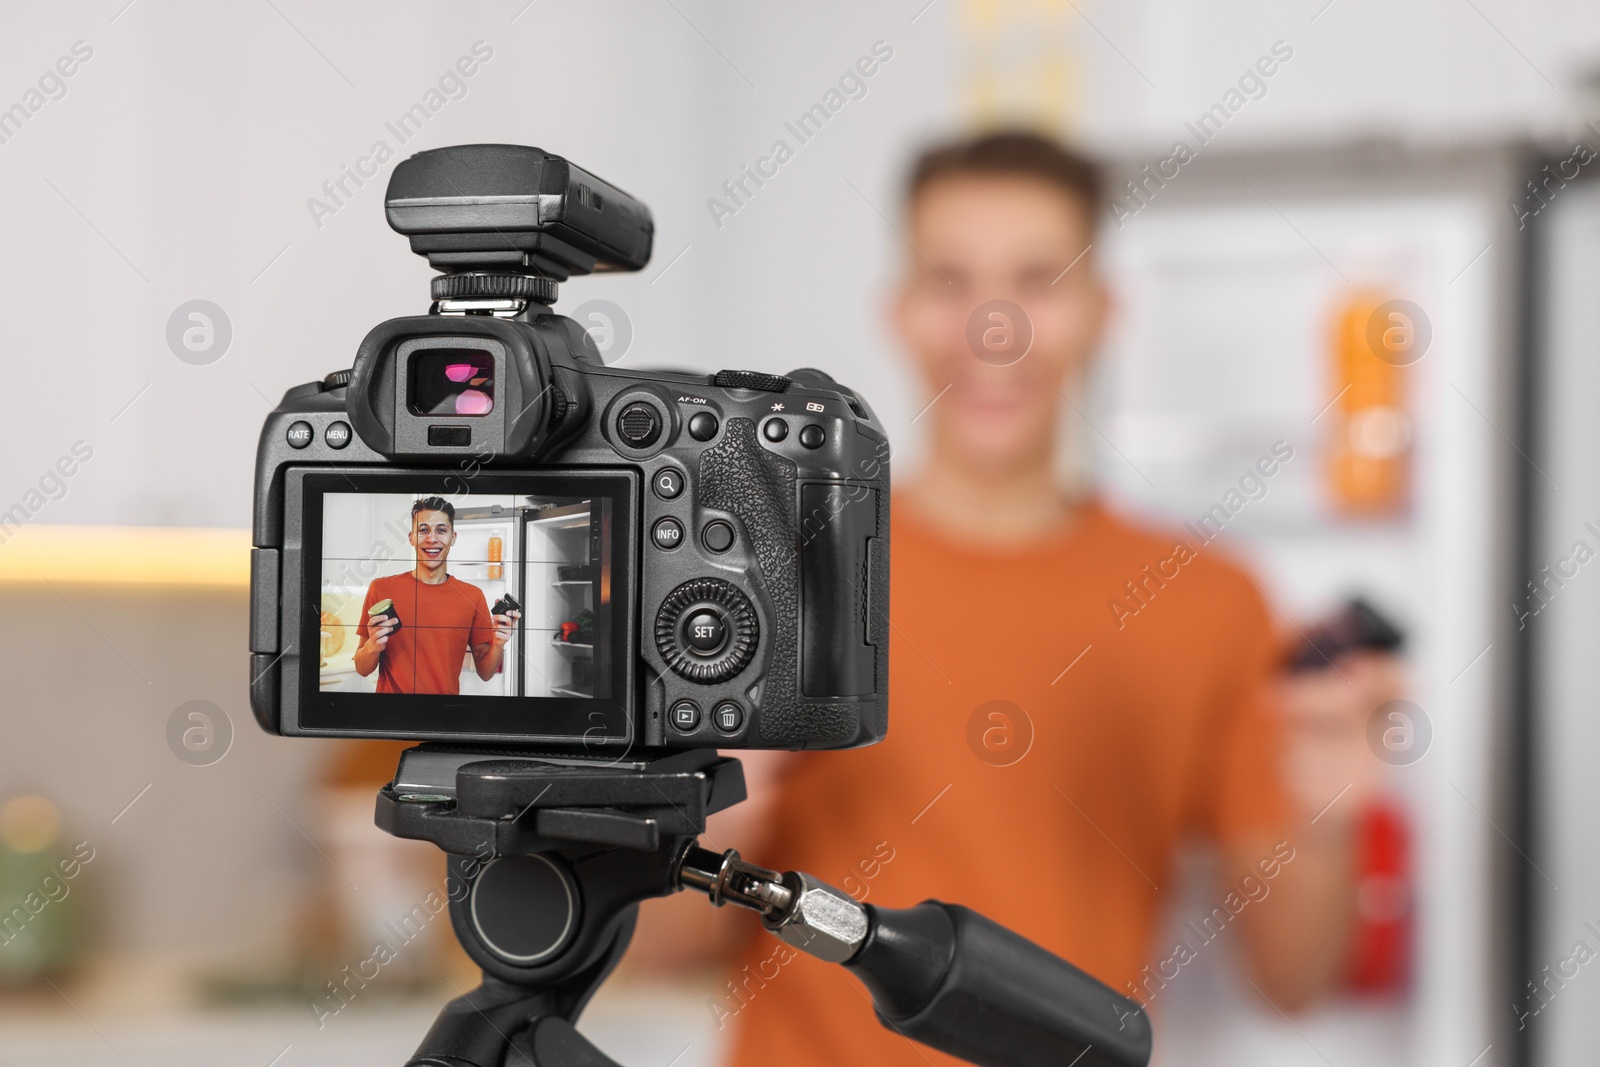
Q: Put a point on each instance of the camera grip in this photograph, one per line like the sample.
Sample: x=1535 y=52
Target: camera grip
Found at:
x=762 y=489
x=953 y=980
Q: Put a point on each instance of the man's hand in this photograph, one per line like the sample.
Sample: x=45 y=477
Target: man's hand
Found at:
x=1327 y=709
x=378 y=636
x=1298 y=942
x=488 y=655
x=366 y=657
x=504 y=625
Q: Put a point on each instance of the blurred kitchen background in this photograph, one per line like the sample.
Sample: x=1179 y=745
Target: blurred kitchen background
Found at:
x=1431 y=153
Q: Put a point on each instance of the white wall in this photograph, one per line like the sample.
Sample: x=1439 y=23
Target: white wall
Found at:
x=179 y=164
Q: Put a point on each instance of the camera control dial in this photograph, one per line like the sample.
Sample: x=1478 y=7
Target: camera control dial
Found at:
x=706 y=630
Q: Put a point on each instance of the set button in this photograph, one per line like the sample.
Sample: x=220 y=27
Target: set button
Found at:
x=705 y=631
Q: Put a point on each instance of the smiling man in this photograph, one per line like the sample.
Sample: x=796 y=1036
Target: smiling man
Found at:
x=1046 y=758
x=419 y=642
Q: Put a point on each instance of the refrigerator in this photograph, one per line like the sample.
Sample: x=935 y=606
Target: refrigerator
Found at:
x=1238 y=284
x=549 y=558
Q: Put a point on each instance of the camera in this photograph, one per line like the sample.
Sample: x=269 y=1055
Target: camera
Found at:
x=481 y=533
x=574 y=582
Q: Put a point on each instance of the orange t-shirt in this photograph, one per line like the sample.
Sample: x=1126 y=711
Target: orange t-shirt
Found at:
x=1123 y=731
x=438 y=625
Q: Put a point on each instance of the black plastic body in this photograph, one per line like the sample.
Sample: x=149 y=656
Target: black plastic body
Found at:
x=811 y=525
x=613 y=829
x=947 y=977
x=499 y=207
x=1356 y=627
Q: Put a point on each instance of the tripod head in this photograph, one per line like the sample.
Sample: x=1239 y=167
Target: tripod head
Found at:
x=574 y=846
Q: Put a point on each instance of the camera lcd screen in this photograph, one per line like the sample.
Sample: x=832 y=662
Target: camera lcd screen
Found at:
x=500 y=608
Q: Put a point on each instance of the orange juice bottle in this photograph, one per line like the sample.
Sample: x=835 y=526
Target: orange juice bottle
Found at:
x=496 y=547
x=1370 y=427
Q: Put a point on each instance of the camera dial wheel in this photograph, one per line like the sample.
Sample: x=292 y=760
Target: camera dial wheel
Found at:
x=490 y=286
x=706 y=630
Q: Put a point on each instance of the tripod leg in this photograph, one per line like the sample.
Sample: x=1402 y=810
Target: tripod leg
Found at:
x=554 y=1043
x=503 y=1024
x=476 y=1030
x=472 y=1032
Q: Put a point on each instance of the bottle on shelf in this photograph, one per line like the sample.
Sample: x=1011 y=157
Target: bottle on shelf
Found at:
x=496 y=547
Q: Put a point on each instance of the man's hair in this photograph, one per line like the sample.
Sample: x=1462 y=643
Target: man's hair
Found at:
x=434 y=503
x=1007 y=154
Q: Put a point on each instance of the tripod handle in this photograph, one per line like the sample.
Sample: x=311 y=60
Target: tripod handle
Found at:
x=953 y=980
x=940 y=974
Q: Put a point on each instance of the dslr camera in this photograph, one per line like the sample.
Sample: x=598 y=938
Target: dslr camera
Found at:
x=481 y=533
x=573 y=582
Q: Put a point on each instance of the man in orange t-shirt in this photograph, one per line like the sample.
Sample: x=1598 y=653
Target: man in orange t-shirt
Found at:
x=434 y=620
x=1072 y=695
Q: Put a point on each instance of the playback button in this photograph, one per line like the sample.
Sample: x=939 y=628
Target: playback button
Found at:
x=685 y=715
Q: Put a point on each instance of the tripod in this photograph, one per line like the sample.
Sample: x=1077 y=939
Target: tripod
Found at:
x=549 y=857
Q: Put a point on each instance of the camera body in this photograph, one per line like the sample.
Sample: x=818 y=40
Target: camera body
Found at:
x=675 y=560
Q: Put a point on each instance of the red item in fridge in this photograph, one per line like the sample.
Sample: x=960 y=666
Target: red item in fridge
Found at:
x=1380 y=956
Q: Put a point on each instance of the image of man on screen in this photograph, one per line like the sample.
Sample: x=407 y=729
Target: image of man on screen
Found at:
x=419 y=643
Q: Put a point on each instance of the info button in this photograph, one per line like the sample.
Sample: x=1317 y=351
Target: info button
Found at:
x=667 y=534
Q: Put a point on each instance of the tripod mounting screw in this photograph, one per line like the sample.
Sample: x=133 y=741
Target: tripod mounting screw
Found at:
x=486 y=285
x=822 y=921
